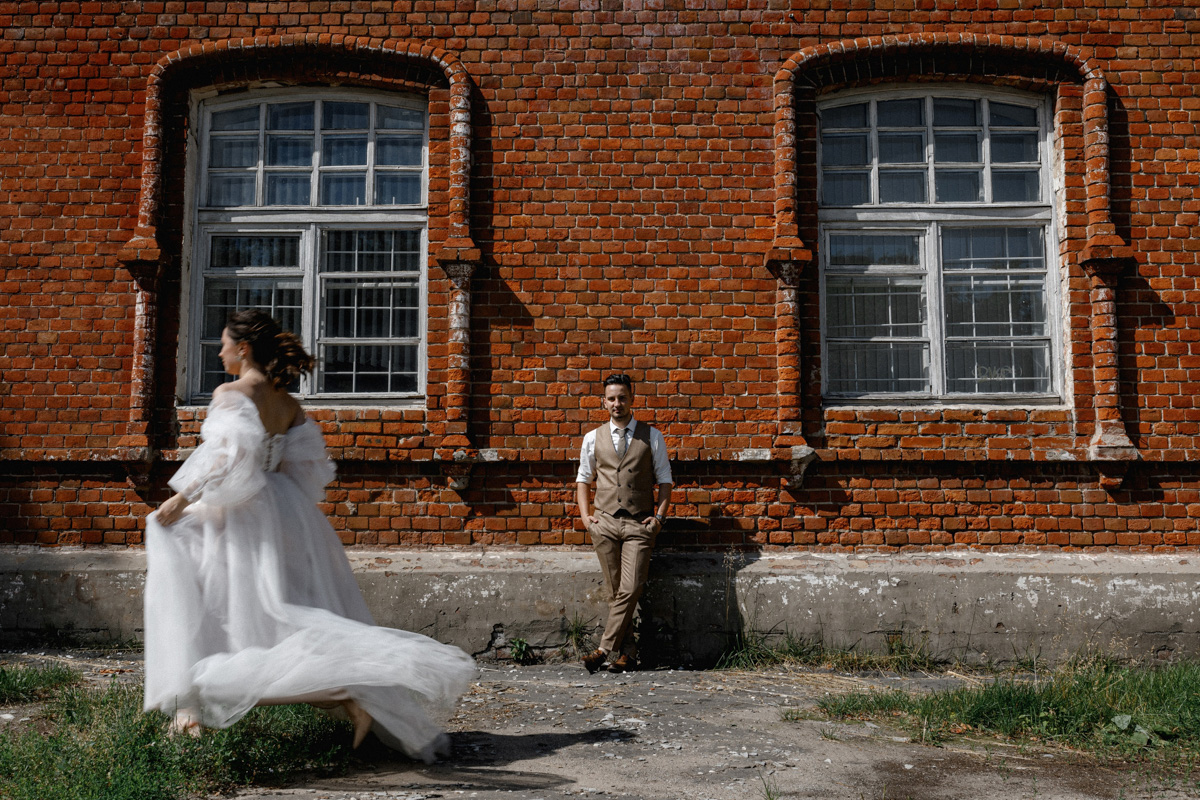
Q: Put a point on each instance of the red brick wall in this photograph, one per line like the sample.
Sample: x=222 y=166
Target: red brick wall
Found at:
x=623 y=199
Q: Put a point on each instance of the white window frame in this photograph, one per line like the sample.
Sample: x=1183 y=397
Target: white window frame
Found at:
x=308 y=222
x=927 y=219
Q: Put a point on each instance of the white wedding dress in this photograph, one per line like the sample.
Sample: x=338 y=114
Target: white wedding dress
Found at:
x=250 y=596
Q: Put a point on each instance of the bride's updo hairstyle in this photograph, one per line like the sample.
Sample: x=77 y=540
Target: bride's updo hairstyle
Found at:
x=280 y=353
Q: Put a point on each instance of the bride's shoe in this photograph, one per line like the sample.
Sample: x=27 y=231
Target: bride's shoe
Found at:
x=360 y=719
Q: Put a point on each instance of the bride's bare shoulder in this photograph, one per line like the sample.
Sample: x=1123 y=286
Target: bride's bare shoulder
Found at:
x=231 y=388
x=297 y=411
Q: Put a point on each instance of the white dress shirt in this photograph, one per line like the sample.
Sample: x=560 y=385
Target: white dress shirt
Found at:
x=658 y=450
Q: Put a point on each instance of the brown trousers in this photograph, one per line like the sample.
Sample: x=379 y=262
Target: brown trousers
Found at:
x=623 y=547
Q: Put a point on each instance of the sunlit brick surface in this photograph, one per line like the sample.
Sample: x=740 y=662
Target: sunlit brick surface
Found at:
x=637 y=191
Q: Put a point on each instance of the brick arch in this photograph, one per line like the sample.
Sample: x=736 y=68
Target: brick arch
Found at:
x=984 y=57
x=241 y=60
x=988 y=56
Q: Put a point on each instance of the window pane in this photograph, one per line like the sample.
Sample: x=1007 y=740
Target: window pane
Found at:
x=231 y=190
x=902 y=186
x=357 y=310
x=874 y=249
x=289 y=151
x=1008 y=148
x=959 y=186
x=366 y=309
x=343 y=190
x=290 y=117
x=989 y=306
x=393 y=189
x=956 y=147
x=240 y=151
x=949 y=112
x=254 y=251
x=1009 y=114
x=862 y=306
x=212 y=374
x=371 y=251
x=845 y=150
x=406 y=315
x=988 y=367
x=901 y=148
x=398 y=118
x=373 y=314
x=375 y=250
x=909 y=113
x=406 y=381
x=993 y=248
x=236 y=119
x=369 y=368
x=1010 y=186
x=397 y=151
x=845 y=188
x=288 y=190
x=280 y=297
x=853 y=116
x=868 y=367
x=343 y=151
x=344 y=116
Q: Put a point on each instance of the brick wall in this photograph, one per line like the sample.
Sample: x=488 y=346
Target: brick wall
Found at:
x=631 y=205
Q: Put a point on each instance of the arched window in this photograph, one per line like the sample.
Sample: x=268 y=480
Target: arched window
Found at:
x=312 y=204
x=937 y=246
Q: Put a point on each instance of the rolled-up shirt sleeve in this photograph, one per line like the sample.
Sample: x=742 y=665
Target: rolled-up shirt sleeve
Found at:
x=662 y=464
x=587 y=459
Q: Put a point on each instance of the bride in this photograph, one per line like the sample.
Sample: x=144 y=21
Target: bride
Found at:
x=250 y=599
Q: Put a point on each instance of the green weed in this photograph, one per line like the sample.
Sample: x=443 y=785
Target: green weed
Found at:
x=100 y=746
x=769 y=790
x=1093 y=704
x=520 y=651
x=753 y=649
x=19 y=684
x=579 y=635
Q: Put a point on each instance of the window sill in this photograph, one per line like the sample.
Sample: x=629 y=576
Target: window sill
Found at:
x=984 y=402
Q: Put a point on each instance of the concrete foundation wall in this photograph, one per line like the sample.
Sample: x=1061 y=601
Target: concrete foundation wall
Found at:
x=977 y=608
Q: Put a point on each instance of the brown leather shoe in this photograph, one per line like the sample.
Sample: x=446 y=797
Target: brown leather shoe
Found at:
x=594 y=660
x=622 y=663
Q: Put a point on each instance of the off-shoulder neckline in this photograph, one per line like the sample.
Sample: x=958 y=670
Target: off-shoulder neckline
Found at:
x=258 y=417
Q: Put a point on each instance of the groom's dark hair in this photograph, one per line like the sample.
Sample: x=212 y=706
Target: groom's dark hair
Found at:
x=619 y=380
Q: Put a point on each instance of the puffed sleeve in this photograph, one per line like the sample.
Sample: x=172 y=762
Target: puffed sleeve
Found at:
x=306 y=462
x=226 y=469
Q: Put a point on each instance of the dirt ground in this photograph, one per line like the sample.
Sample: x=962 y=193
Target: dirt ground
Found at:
x=552 y=731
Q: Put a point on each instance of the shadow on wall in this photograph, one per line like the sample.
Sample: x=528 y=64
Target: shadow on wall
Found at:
x=706 y=596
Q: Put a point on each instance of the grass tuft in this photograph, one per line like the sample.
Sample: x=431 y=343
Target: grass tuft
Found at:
x=101 y=746
x=20 y=684
x=755 y=650
x=578 y=635
x=1092 y=704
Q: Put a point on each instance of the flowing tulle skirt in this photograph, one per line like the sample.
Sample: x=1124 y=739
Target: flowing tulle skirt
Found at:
x=256 y=602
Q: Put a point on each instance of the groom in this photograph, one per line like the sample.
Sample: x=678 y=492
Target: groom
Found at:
x=626 y=460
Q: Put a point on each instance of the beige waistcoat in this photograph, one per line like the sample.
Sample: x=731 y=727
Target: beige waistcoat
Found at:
x=628 y=483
